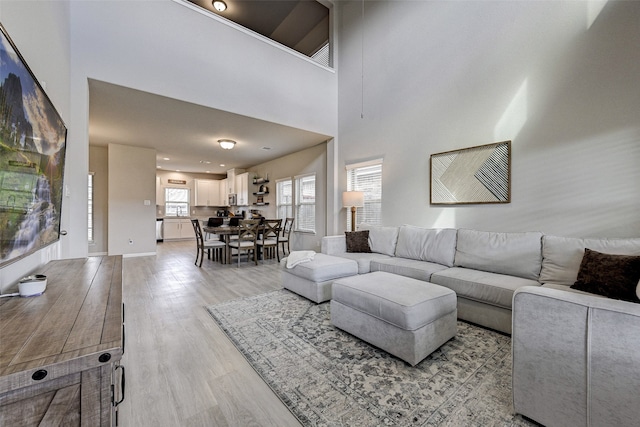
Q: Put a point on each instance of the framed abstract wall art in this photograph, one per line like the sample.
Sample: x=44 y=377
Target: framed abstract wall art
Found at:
x=475 y=175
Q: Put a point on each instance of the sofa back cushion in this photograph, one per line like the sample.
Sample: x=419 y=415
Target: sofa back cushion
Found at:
x=515 y=254
x=382 y=240
x=561 y=256
x=427 y=244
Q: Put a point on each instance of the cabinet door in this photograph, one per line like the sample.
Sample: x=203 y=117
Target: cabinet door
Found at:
x=224 y=192
x=171 y=229
x=202 y=192
x=242 y=189
x=214 y=194
x=186 y=229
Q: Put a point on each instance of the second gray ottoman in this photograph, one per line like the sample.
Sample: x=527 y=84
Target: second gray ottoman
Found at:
x=406 y=317
x=313 y=279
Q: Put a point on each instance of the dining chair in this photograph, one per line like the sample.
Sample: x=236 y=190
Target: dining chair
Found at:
x=247 y=236
x=269 y=238
x=213 y=222
x=284 y=237
x=216 y=245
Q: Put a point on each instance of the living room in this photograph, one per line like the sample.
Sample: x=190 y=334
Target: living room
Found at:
x=555 y=78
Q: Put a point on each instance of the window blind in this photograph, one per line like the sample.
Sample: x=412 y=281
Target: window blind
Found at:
x=284 y=198
x=366 y=177
x=305 y=201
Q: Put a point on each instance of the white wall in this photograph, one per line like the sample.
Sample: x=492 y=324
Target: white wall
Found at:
x=440 y=76
x=46 y=51
x=311 y=160
x=166 y=48
x=99 y=165
x=132 y=183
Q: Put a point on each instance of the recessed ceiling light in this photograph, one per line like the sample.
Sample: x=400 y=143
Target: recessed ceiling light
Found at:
x=159 y=167
x=205 y=162
x=219 y=5
x=222 y=165
x=166 y=158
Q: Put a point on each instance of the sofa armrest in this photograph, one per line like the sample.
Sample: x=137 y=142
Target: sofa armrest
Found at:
x=333 y=245
x=576 y=358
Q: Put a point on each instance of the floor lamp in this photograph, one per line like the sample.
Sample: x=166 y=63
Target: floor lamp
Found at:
x=353 y=199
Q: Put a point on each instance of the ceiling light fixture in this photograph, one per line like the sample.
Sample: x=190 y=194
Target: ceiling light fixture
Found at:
x=219 y=5
x=227 y=144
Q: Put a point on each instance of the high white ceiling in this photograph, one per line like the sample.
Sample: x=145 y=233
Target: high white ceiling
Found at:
x=187 y=133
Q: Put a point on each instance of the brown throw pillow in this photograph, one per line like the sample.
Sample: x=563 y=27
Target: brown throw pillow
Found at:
x=357 y=241
x=614 y=276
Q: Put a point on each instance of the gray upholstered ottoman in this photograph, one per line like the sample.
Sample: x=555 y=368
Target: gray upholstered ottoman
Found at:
x=313 y=279
x=406 y=317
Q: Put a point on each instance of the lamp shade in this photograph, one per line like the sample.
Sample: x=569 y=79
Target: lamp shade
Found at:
x=352 y=198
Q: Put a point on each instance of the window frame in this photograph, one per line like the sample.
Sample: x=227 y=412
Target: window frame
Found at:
x=369 y=214
x=167 y=200
x=299 y=202
x=281 y=204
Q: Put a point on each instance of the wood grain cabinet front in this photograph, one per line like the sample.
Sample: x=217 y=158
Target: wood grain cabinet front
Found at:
x=61 y=351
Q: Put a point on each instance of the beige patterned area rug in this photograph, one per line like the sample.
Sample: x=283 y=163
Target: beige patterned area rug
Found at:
x=327 y=377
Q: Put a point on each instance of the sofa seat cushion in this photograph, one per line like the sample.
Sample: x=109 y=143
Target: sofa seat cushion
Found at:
x=482 y=286
x=363 y=259
x=323 y=268
x=514 y=254
x=401 y=301
x=420 y=270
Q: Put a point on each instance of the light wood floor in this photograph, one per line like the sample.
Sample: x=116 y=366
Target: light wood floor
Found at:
x=181 y=370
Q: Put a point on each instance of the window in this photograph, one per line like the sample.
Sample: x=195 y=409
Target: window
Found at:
x=90 y=208
x=284 y=198
x=366 y=177
x=176 y=201
x=305 y=201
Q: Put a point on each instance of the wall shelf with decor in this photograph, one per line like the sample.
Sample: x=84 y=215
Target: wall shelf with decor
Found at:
x=262 y=191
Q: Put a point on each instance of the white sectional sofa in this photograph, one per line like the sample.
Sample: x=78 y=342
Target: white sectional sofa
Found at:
x=483 y=268
x=576 y=355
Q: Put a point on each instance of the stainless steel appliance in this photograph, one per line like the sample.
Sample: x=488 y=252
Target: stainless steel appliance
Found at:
x=159 y=230
x=233 y=199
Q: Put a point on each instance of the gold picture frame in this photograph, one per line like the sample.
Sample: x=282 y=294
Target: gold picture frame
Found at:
x=475 y=175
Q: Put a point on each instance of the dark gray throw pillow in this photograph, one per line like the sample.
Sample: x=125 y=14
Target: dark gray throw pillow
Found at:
x=613 y=276
x=357 y=241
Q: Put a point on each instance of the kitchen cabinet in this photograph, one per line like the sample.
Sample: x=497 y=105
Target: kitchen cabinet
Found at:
x=224 y=192
x=242 y=189
x=177 y=228
x=207 y=193
x=60 y=360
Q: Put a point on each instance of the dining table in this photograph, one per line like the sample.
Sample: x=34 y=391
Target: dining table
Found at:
x=226 y=231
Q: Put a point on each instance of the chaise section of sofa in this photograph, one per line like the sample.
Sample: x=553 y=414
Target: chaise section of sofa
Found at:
x=576 y=358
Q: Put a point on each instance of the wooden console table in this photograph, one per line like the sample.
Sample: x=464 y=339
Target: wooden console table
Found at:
x=60 y=352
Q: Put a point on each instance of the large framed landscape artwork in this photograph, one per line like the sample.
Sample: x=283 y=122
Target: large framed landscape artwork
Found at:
x=32 y=156
x=474 y=175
